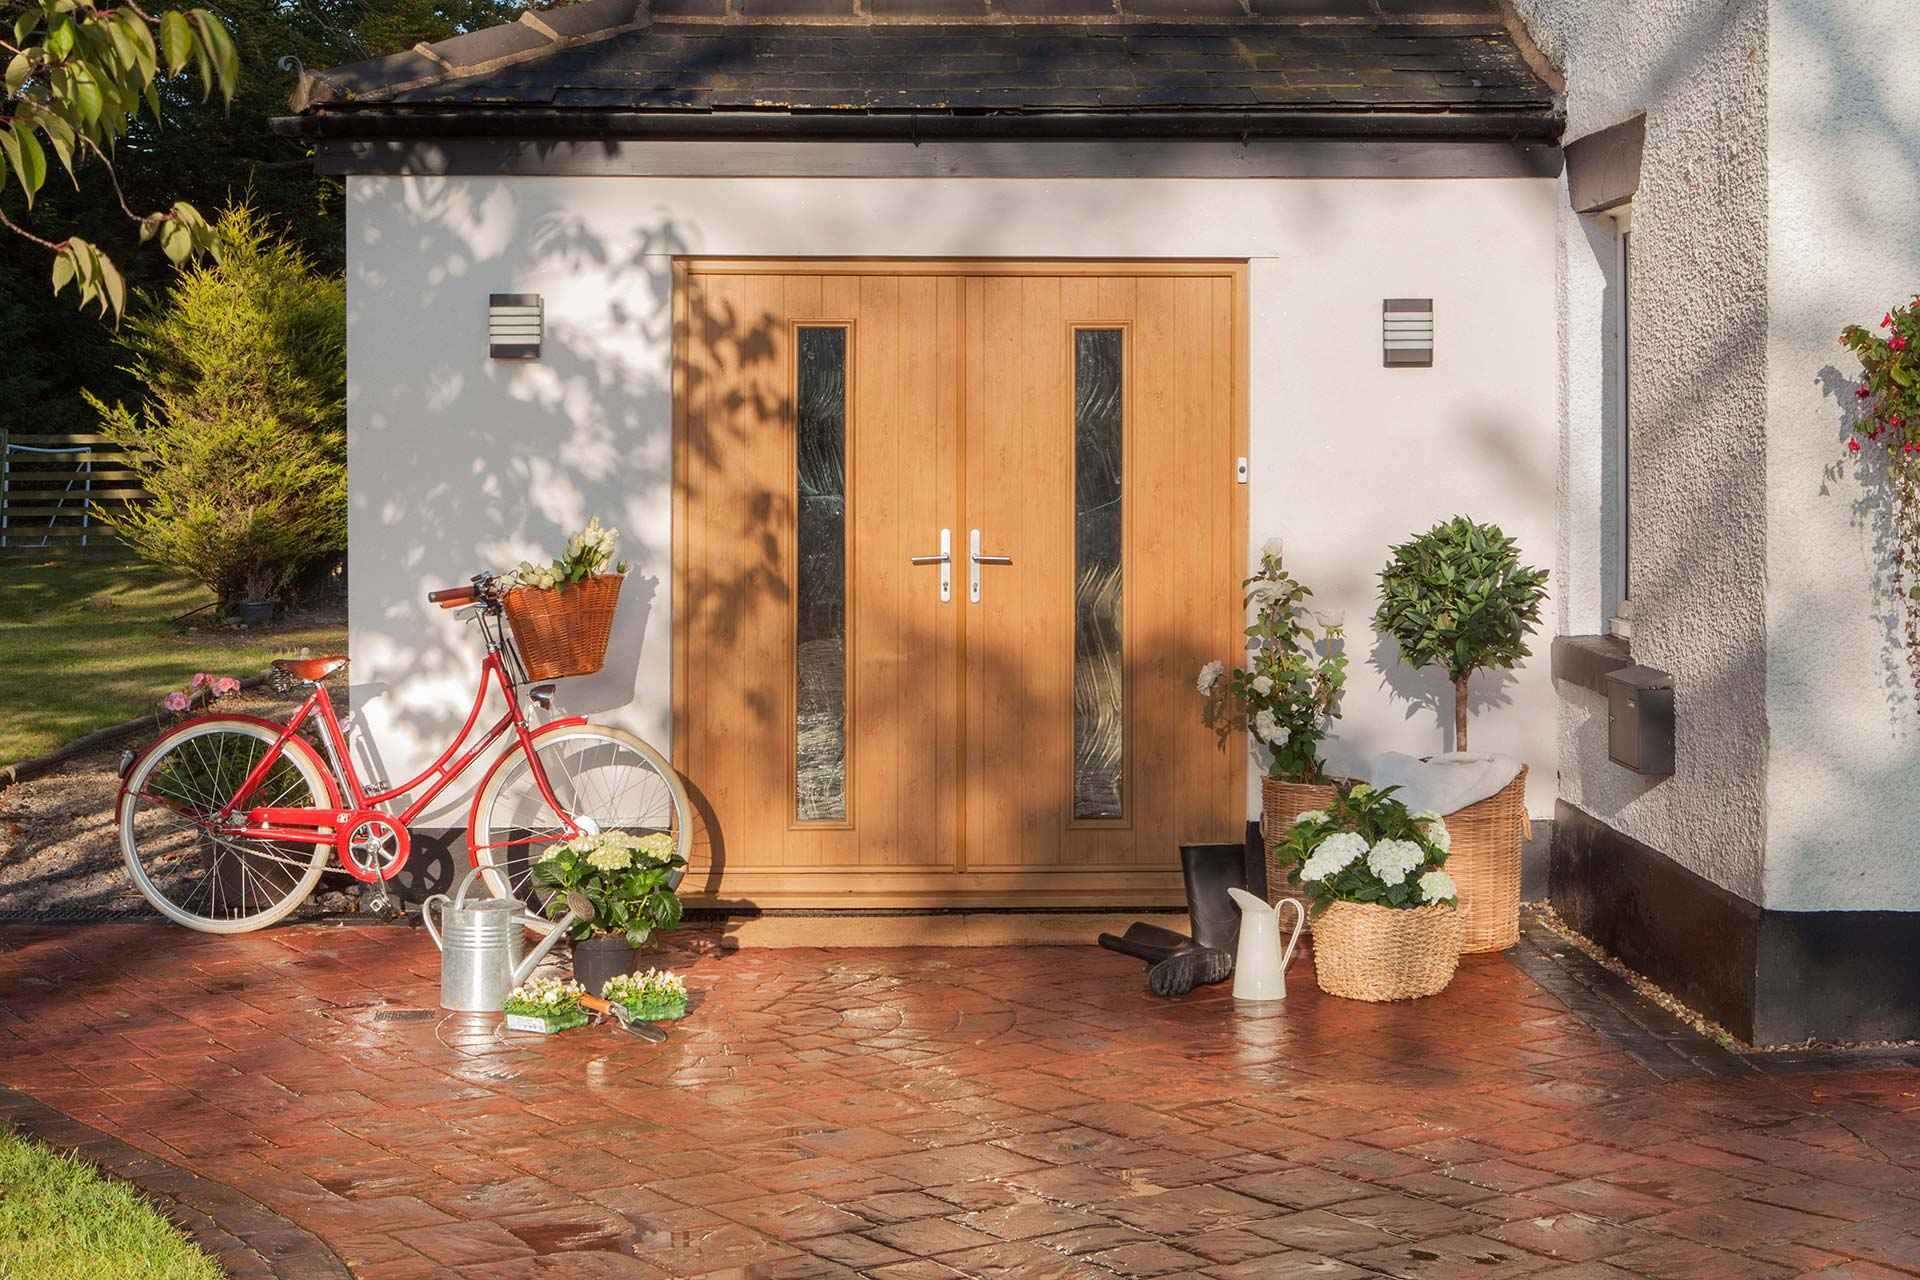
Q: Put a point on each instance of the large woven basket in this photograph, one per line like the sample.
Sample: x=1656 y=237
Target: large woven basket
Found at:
x=1280 y=803
x=1485 y=863
x=564 y=632
x=1366 y=952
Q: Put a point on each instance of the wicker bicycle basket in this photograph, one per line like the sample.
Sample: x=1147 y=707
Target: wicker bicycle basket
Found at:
x=1367 y=952
x=1280 y=803
x=563 y=632
x=1485 y=863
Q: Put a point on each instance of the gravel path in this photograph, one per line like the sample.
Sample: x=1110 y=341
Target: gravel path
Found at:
x=59 y=853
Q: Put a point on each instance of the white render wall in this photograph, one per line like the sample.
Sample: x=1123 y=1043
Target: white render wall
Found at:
x=1843 y=233
x=458 y=462
x=1698 y=405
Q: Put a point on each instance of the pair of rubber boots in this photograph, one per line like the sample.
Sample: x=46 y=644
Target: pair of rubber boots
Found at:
x=1176 y=963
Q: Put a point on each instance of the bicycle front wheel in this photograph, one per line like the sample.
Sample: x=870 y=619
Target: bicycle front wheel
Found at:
x=605 y=778
x=191 y=871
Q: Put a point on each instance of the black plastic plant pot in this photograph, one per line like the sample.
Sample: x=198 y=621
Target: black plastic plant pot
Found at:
x=253 y=613
x=596 y=960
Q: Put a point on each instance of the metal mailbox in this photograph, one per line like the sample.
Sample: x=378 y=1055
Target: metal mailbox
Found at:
x=1640 y=720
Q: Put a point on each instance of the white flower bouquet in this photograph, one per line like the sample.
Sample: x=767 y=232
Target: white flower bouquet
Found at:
x=1369 y=848
x=1288 y=694
x=545 y=1005
x=588 y=554
x=658 y=995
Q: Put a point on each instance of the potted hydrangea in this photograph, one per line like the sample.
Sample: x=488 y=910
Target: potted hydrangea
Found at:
x=629 y=880
x=1287 y=696
x=545 y=1005
x=562 y=612
x=658 y=995
x=1386 y=920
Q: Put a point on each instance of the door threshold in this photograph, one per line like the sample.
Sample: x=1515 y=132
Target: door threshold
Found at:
x=933 y=927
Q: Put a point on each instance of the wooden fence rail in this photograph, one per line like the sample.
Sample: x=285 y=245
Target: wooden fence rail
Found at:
x=51 y=487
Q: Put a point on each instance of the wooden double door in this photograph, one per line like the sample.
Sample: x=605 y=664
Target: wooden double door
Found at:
x=951 y=542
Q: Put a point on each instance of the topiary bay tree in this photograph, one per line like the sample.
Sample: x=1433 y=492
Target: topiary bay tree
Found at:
x=1458 y=597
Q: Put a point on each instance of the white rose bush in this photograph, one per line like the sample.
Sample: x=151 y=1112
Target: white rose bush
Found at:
x=1367 y=847
x=1288 y=694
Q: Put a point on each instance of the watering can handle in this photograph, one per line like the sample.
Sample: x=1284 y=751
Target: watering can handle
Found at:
x=426 y=918
x=466 y=882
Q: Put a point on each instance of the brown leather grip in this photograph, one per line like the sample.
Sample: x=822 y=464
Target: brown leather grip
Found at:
x=453 y=597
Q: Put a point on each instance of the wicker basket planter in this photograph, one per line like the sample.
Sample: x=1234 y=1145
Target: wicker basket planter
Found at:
x=1485 y=863
x=1366 y=952
x=1280 y=803
x=564 y=632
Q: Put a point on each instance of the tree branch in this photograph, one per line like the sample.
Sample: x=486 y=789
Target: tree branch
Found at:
x=17 y=229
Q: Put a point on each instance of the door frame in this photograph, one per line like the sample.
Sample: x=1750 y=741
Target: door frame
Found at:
x=812 y=887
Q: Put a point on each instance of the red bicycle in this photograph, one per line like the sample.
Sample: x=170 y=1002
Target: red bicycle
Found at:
x=227 y=821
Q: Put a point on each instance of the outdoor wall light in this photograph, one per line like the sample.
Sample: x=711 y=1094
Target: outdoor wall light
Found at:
x=1408 y=332
x=513 y=326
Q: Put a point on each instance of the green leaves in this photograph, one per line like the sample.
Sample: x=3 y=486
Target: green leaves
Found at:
x=77 y=89
x=1458 y=597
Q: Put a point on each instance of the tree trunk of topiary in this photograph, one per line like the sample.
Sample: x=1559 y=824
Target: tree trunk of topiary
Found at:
x=1460 y=711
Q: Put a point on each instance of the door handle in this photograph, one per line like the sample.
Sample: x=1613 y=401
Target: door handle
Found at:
x=976 y=560
x=945 y=561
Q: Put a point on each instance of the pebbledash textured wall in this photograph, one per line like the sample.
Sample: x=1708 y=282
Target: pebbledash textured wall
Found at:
x=1843 y=236
x=1698 y=404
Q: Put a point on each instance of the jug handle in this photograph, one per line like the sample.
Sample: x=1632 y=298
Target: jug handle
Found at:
x=426 y=918
x=1299 y=927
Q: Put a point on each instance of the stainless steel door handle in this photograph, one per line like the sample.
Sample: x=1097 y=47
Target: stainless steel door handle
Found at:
x=975 y=560
x=945 y=561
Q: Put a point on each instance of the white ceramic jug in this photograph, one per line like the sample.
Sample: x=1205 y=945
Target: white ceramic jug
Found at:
x=1260 y=970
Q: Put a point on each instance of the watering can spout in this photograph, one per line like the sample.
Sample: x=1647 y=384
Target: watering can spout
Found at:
x=547 y=944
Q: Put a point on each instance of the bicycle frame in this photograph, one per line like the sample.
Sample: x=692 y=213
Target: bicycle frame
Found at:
x=298 y=825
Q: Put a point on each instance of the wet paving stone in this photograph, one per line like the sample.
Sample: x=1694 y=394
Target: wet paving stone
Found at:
x=900 y=1114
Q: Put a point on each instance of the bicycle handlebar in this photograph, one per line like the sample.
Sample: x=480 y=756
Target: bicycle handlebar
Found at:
x=453 y=597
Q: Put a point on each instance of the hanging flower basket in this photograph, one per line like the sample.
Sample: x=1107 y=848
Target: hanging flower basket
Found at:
x=563 y=631
x=1367 y=952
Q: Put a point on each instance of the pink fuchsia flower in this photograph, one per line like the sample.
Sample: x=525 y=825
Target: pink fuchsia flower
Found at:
x=200 y=680
x=1886 y=321
x=1897 y=343
x=1853 y=446
x=224 y=685
x=1862 y=392
x=175 y=701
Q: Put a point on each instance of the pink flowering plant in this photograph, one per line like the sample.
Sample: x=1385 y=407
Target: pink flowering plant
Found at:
x=1889 y=417
x=203 y=689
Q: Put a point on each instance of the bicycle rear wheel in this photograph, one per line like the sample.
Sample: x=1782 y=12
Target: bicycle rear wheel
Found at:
x=195 y=875
x=605 y=778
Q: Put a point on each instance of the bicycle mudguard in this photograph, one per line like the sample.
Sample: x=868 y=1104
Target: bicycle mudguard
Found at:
x=473 y=806
x=296 y=742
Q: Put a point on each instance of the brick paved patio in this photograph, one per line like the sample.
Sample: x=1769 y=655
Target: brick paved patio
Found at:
x=909 y=1114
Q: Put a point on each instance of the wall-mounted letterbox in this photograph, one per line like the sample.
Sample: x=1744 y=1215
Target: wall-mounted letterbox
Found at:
x=1640 y=720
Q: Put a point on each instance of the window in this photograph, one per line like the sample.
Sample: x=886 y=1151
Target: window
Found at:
x=820 y=589
x=1099 y=663
x=1617 y=553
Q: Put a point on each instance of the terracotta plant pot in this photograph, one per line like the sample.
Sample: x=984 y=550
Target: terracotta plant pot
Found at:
x=597 y=959
x=1280 y=803
x=1367 y=952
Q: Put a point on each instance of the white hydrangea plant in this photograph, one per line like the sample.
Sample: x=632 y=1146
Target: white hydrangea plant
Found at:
x=1366 y=847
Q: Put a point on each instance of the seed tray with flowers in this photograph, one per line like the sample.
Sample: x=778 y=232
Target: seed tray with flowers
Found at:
x=658 y=995
x=545 y=1005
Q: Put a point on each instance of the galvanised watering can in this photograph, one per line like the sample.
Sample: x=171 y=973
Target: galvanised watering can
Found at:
x=479 y=941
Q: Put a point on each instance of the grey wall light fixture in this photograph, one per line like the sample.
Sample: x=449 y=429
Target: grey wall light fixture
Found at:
x=513 y=326
x=1407 y=325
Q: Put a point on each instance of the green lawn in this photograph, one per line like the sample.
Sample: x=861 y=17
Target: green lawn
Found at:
x=60 y=1220
x=86 y=645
